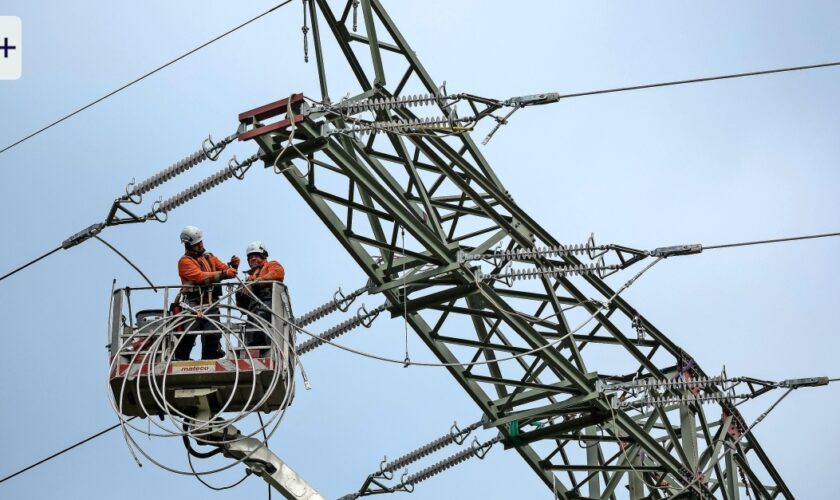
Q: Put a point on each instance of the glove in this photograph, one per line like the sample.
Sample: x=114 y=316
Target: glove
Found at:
x=229 y=272
x=234 y=262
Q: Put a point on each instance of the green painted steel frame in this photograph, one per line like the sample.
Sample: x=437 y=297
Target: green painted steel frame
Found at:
x=442 y=192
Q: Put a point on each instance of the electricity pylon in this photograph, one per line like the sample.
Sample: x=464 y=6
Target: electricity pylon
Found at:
x=414 y=202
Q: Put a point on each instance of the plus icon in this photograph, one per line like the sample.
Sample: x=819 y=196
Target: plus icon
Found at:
x=6 y=48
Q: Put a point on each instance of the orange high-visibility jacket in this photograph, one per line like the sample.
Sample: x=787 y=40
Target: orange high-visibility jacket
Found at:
x=200 y=269
x=271 y=270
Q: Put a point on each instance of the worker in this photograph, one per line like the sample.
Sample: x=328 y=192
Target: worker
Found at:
x=200 y=272
x=256 y=295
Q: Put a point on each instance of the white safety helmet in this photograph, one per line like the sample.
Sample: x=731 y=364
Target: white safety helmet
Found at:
x=191 y=235
x=256 y=247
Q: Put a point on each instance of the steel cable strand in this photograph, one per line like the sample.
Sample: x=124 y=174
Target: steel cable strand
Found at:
x=124 y=423
x=159 y=394
x=133 y=444
x=277 y=375
x=209 y=423
x=178 y=433
x=159 y=400
x=150 y=73
x=212 y=422
x=65 y=450
x=33 y=261
x=198 y=475
x=118 y=408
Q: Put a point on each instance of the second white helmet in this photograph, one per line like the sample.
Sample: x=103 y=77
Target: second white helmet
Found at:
x=256 y=247
x=191 y=235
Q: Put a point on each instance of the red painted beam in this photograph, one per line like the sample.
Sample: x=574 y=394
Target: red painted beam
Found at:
x=244 y=136
x=271 y=109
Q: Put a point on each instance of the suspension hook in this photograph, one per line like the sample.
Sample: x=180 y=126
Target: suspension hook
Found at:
x=237 y=169
x=212 y=153
x=409 y=488
x=480 y=449
x=341 y=300
x=133 y=198
x=384 y=473
x=590 y=248
x=366 y=318
x=458 y=435
x=156 y=211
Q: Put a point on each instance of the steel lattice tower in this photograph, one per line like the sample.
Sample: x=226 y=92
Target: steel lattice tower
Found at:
x=441 y=191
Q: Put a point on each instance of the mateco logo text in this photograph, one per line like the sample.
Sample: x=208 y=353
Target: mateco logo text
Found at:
x=193 y=366
x=10 y=50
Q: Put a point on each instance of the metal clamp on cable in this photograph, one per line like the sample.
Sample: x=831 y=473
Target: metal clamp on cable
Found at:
x=533 y=99
x=796 y=383
x=676 y=250
x=83 y=235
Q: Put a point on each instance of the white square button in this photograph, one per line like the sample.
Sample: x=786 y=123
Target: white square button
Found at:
x=10 y=50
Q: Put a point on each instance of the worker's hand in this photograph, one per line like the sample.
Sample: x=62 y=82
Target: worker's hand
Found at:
x=234 y=262
x=229 y=272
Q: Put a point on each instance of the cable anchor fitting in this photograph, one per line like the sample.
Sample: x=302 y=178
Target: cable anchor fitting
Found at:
x=305 y=30
x=355 y=15
x=83 y=235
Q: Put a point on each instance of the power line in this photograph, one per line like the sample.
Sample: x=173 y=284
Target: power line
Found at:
x=150 y=73
x=65 y=450
x=698 y=80
x=21 y=268
x=129 y=262
x=778 y=240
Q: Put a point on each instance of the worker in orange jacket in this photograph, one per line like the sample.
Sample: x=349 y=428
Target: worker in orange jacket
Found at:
x=260 y=275
x=200 y=271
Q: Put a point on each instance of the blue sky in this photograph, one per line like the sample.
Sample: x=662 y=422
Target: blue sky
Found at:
x=712 y=163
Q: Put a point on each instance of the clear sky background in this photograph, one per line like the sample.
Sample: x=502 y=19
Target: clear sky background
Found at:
x=710 y=163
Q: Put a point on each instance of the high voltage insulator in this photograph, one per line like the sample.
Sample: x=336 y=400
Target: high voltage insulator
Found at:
x=211 y=153
x=402 y=126
x=531 y=253
x=384 y=103
x=527 y=274
x=342 y=328
x=199 y=188
x=430 y=448
x=477 y=450
x=726 y=395
x=339 y=301
x=659 y=401
x=664 y=384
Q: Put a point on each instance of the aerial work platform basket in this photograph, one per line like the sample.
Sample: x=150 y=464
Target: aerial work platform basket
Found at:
x=256 y=372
